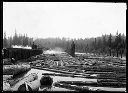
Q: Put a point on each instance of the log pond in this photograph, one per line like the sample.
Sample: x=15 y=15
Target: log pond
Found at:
x=61 y=78
x=84 y=72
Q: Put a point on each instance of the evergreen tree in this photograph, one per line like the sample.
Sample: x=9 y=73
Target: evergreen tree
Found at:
x=72 y=49
x=87 y=49
x=110 y=43
x=10 y=41
x=15 y=37
x=99 y=45
x=5 y=43
x=117 y=44
x=24 y=41
x=95 y=46
x=120 y=44
x=122 y=47
x=104 y=46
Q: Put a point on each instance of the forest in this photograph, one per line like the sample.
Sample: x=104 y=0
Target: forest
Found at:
x=112 y=45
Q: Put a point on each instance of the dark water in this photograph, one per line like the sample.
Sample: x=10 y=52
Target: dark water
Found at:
x=36 y=83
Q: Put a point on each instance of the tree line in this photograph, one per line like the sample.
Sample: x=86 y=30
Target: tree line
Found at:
x=113 y=45
x=22 y=40
x=110 y=45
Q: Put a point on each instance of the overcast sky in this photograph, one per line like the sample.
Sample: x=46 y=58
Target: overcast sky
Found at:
x=64 y=19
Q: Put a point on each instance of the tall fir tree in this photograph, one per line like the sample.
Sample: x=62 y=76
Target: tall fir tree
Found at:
x=5 y=43
x=110 y=43
x=72 y=53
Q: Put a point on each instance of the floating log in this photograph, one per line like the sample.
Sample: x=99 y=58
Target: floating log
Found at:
x=105 y=69
x=95 y=84
x=79 y=83
x=112 y=84
x=70 y=75
x=111 y=76
x=108 y=80
x=83 y=89
x=67 y=86
x=60 y=71
x=96 y=72
x=54 y=70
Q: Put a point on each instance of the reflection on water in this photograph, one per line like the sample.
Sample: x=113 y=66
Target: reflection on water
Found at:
x=60 y=78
